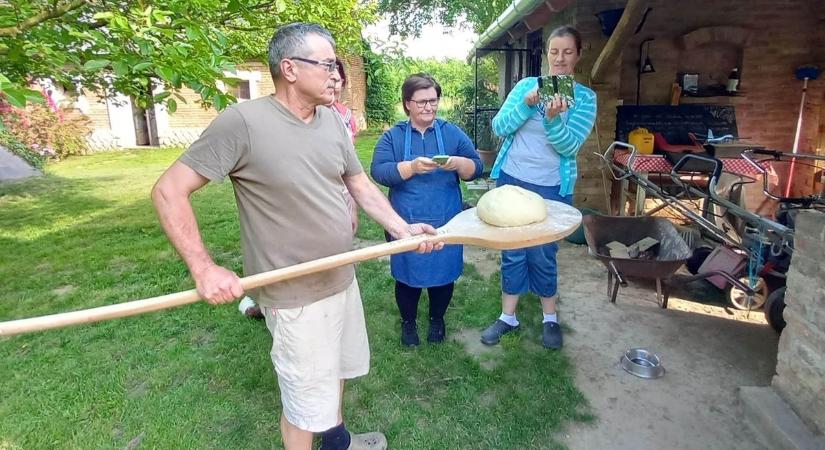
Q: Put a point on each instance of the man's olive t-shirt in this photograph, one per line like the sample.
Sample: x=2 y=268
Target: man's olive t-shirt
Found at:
x=287 y=177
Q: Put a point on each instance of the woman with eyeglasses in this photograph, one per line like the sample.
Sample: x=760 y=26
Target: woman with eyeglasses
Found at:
x=541 y=140
x=421 y=161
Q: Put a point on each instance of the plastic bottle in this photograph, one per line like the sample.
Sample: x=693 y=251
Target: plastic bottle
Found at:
x=733 y=81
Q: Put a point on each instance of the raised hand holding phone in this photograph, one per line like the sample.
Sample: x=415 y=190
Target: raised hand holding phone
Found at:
x=557 y=105
x=532 y=98
x=552 y=85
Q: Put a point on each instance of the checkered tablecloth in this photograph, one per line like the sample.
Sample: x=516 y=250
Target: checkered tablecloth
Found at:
x=660 y=164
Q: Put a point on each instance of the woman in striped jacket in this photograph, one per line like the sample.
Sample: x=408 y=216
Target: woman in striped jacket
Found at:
x=541 y=140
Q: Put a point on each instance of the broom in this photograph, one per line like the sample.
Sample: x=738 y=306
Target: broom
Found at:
x=803 y=73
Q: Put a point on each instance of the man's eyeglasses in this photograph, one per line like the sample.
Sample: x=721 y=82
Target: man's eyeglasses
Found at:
x=330 y=66
x=433 y=102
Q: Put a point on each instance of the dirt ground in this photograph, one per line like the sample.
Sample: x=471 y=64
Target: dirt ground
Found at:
x=707 y=349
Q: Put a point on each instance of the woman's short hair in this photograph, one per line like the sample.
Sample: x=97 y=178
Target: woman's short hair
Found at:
x=567 y=30
x=414 y=83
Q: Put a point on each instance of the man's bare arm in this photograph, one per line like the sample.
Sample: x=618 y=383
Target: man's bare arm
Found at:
x=376 y=205
x=171 y=199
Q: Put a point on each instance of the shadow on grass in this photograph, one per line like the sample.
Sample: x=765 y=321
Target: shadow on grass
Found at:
x=68 y=244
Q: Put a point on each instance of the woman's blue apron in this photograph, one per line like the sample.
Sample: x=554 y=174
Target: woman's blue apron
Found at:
x=434 y=199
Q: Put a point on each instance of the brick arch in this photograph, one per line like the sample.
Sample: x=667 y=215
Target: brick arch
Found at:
x=736 y=36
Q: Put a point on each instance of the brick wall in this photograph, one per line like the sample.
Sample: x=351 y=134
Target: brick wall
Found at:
x=783 y=36
x=355 y=93
x=800 y=370
x=191 y=114
x=593 y=188
x=96 y=111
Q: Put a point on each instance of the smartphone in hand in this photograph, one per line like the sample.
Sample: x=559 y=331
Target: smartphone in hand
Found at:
x=551 y=85
x=440 y=159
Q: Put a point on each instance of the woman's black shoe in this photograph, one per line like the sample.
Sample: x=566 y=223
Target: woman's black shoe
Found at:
x=437 y=331
x=409 y=334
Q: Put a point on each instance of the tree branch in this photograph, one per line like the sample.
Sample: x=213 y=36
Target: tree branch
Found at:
x=261 y=5
x=240 y=28
x=226 y=18
x=35 y=20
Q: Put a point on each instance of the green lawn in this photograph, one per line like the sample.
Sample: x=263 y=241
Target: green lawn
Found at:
x=200 y=377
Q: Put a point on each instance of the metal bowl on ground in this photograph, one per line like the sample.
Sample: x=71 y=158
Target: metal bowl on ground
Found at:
x=642 y=363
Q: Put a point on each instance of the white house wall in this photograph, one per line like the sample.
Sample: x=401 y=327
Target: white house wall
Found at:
x=121 y=132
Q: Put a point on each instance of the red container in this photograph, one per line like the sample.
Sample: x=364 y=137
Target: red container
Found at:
x=726 y=260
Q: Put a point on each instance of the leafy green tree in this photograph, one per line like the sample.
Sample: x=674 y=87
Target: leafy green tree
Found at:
x=382 y=89
x=150 y=49
x=480 y=128
x=408 y=16
x=387 y=71
x=451 y=74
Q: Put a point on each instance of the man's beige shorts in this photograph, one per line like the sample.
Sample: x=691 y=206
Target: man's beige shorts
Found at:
x=314 y=347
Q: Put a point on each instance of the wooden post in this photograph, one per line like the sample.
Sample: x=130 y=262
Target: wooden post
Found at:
x=633 y=13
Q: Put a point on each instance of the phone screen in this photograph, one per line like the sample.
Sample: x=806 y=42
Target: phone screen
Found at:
x=551 y=85
x=441 y=159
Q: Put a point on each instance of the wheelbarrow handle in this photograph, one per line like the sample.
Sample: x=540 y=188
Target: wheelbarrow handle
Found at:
x=619 y=277
x=730 y=279
x=717 y=165
x=607 y=159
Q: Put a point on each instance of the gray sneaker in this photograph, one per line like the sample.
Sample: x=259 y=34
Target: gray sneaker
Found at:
x=367 y=441
x=492 y=335
x=551 y=335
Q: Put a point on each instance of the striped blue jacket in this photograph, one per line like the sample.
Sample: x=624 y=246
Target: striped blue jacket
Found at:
x=566 y=138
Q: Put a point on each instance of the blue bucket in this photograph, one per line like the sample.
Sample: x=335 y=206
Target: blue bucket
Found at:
x=577 y=237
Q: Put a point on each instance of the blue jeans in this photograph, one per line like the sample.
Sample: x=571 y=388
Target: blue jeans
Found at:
x=531 y=269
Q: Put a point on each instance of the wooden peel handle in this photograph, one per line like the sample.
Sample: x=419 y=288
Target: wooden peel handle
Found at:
x=136 y=307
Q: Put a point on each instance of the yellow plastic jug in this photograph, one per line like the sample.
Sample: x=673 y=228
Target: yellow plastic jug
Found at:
x=642 y=140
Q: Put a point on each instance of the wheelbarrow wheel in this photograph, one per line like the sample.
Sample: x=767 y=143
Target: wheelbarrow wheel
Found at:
x=774 y=308
x=739 y=299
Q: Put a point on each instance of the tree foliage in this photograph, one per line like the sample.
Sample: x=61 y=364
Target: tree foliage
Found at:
x=407 y=17
x=479 y=125
x=150 y=49
x=386 y=72
x=382 y=95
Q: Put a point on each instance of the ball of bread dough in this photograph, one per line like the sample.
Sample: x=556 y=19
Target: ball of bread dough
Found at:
x=511 y=206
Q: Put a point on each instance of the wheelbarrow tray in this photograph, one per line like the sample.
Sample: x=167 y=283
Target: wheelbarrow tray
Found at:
x=672 y=253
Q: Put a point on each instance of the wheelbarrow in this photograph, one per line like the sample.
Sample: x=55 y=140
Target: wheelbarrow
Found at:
x=667 y=257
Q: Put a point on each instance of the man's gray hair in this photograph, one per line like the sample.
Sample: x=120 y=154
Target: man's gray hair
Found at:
x=291 y=40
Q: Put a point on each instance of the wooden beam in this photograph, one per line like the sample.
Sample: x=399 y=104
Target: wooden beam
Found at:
x=633 y=13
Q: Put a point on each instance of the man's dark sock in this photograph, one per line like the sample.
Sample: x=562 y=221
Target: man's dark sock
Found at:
x=336 y=438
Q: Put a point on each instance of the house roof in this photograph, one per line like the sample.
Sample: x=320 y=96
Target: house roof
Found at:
x=531 y=14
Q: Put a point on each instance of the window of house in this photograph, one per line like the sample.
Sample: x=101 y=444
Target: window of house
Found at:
x=241 y=90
